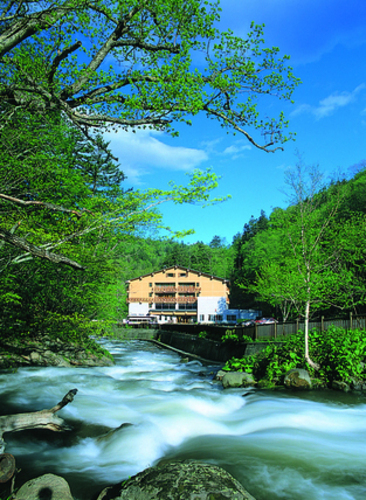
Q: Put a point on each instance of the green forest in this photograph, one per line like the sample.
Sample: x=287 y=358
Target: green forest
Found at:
x=261 y=262
x=71 y=235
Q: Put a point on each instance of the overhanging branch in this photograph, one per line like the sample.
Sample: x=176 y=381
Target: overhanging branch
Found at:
x=36 y=251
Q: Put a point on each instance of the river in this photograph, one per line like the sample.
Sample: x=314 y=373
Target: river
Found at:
x=279 y=445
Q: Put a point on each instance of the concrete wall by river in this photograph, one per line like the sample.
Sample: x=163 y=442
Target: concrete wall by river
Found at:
x=212 y=350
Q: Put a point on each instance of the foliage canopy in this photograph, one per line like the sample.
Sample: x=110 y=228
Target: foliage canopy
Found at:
x=137 y=63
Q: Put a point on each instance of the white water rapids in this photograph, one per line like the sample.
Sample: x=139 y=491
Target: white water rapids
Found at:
x=308 y=446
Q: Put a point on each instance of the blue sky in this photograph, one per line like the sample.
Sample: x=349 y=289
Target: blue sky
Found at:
x=326 y=40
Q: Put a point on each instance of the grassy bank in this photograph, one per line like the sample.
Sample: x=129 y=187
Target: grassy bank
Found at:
x=341 y=355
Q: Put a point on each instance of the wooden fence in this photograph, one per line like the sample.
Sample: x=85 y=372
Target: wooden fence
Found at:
x=274 y=330
x=278 y=329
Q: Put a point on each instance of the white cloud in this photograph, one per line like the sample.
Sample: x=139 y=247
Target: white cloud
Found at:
x=329 y=104
x=236 y=148
x=143 y=150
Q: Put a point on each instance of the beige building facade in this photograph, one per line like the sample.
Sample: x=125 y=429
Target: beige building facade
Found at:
x=177 y=294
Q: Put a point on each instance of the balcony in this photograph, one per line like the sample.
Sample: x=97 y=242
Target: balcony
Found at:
x=189 y=289
x=164 y=300
x=165 y=289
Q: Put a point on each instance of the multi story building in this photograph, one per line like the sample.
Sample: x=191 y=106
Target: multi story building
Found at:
x=177 y=294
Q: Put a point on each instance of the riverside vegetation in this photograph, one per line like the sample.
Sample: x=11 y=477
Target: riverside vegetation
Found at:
x=340 y=354
x=68 y=341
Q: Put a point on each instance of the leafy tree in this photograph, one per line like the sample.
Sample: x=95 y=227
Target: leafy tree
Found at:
x=201 y=256
x=308 y=274
x=131 y=63
x=69 y=70
x=98 y=166
x=218 y=242
x=54 y=76
x=250 y=249
x=178 y=254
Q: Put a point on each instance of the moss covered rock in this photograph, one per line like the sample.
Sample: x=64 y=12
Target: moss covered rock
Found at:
x=298 y=379
x=237 y=379
x=45 y=351
x=179 y=481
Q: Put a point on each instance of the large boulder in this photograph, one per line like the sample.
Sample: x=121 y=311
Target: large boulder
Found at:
x=46 y=487
x=237 y=379
x=179 y=481
x=298 y=379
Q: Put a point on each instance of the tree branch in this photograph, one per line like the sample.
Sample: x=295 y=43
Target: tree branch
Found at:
x=60 y=57
x=36 y=251
x=44 y=204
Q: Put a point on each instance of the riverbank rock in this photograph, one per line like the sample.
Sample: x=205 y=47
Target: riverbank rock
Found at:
x=220 y=375
x=45 y=487
x=338 y=385
x=45 y=351
x=298 y=379
x=179 y=481
x=237 y=379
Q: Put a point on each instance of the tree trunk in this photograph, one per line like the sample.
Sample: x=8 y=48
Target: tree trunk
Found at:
x=306 y=328
x=44 y=419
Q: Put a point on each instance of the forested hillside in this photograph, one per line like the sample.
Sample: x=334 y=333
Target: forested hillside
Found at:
x=310 y=255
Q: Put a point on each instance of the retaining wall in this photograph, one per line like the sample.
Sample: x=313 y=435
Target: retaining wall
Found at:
x=210 y=350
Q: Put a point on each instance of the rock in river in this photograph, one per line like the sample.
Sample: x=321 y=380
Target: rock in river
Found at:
x=179 y=481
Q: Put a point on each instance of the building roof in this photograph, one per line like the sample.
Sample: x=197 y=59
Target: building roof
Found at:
x=174 y=268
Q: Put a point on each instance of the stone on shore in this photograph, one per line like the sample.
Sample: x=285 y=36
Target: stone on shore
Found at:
x=220 y=375
x=237 y=379
x=298 y=379
x=45 y=487
x=339 y=385
x=45 y=351
x=179 y=481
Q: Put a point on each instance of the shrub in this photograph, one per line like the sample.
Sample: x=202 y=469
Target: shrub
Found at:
x=230 y=335
x=341 y=355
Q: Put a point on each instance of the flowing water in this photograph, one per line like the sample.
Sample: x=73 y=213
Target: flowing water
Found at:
x=308 y=446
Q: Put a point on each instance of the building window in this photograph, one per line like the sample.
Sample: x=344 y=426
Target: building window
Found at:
x=218 y=317
x=150 y=294
x=150 y=284
x=211 y=317
x=231 y=317
x=164 y=307
x=187 y=307
x=197 y=285
x=170 y=275
x=182 y=275
x=202 y=317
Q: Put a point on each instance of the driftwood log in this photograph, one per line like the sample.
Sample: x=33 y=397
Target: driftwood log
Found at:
x=44 y=419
